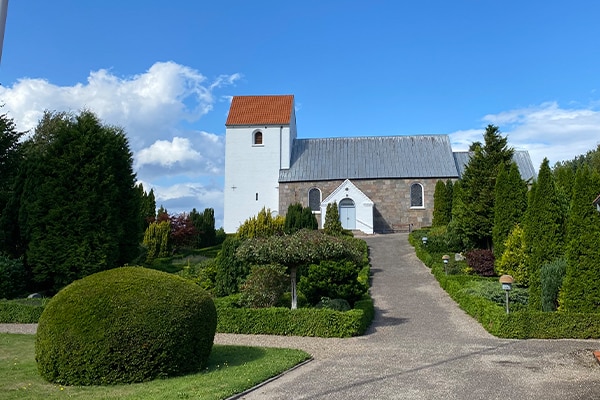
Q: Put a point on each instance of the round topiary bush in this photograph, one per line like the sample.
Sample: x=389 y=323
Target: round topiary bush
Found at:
x=125 y=325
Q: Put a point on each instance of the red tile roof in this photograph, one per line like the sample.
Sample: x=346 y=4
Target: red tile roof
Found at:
x=260 y=110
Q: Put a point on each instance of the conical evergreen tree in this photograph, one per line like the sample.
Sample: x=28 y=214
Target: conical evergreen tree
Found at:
x=510 y=205
x=544 y=231
x=580 y=291
x=440 y=206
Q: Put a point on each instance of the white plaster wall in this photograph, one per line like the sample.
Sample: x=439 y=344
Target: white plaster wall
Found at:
x=252 y=169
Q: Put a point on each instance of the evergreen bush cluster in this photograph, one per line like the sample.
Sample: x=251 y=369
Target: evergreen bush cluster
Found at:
x=520 y=323
x=12 y=277
x=125 y=325
x=298 y=217
x=334 y=280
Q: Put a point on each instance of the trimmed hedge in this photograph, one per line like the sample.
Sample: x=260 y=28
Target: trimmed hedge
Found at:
x=522 y=324
x=21 y=311
x=125 y=325
x=299 y=322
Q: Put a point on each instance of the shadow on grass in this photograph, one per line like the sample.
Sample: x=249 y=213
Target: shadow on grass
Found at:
x=233 y=356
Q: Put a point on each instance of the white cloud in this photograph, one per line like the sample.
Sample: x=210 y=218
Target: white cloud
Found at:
x=150 y=106
x=546 y=130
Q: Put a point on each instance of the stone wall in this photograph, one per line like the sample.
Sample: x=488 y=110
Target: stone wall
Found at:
x=391 y=198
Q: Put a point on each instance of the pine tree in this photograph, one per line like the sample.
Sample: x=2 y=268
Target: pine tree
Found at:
x=474 y=218
x=544 y=230
x=510 y=205
x=580 y=291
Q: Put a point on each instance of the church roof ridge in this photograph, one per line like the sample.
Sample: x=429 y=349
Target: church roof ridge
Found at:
x=261 y=110
x=371 y=157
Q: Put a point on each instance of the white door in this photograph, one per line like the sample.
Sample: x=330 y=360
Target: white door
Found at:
x=348 y=214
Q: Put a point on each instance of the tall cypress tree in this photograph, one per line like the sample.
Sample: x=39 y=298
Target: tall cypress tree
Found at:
x=580 y=291
x=78 y=205
x=449 y=199
x=440 y=205
x=544 y=230
x=510 y=205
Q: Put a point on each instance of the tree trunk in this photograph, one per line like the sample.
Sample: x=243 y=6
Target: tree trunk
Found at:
x=293 y=288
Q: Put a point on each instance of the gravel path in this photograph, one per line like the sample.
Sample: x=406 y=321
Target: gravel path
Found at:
x=422 y=346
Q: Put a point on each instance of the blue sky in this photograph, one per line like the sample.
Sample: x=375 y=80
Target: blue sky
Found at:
x=166 y=71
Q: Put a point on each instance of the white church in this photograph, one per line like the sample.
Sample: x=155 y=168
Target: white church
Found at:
x=380 y=183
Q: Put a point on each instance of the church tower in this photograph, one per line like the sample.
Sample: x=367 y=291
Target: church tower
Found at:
x=260 y=131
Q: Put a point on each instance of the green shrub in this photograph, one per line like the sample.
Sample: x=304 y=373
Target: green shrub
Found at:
x=552 y=277
x=492 y=290
x=13 y=278
x=481 y=262
x=333 y=304
x=332 y=225
x=286 y=300
x=332 y=279
x=21 y=311
x=157 y=240
x=513 y=260
x=231 y=270
x=261 y=225
x=125 y=325
x=202 y=273
x=264 y=286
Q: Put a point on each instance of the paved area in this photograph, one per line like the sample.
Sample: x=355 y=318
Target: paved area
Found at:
x=422 y=346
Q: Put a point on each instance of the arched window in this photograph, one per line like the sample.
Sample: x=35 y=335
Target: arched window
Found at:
x=416 y=195
x=314 y=200
x=258 y=138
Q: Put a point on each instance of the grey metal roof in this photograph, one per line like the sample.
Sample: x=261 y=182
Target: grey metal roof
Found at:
x=371 y=157
x=521 y=157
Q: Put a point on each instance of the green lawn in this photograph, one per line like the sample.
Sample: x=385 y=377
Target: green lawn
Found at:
x=231 y=370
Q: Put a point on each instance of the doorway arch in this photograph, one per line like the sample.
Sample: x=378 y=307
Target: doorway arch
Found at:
x=347 y=213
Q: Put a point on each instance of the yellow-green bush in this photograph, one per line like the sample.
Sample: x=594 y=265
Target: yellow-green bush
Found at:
x=125 y=325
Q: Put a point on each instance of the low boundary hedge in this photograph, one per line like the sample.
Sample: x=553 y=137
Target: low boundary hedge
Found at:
x=22 y=311
x=522 y=324
x=267 y=321
x=299 y=322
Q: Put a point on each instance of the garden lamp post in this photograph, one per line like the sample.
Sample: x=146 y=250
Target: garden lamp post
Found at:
x=424 y=239
x=446 y=259
x=506 y=281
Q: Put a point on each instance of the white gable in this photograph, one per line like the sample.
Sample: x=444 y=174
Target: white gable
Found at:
x=361 y=216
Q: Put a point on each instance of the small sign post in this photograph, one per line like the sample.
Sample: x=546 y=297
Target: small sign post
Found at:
x=506 y=281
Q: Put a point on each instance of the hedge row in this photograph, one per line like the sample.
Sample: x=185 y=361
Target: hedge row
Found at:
x=522 y=324
x=268 y=321
x=299 y=322
x=21 y=311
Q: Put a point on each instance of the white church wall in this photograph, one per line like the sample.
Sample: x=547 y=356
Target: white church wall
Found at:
x=251 y=173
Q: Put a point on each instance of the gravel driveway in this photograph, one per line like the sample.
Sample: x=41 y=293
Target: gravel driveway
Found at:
x=422 y=346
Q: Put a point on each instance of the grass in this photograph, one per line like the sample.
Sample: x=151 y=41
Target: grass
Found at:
x=231 y=370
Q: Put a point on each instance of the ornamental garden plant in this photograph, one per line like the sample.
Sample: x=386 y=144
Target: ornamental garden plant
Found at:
x=125 y=325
